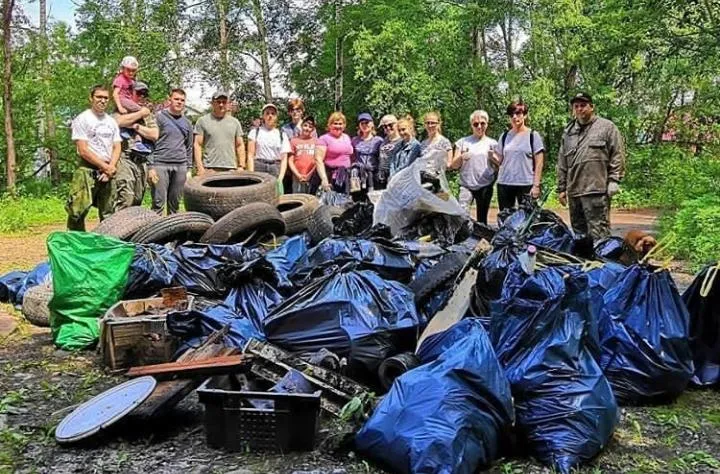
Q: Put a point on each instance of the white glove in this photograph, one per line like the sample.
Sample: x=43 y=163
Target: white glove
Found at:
x=613 y=188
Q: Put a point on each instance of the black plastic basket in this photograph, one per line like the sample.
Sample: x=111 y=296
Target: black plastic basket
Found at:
x=230 y=423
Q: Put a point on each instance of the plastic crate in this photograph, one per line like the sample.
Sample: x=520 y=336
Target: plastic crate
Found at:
x=233 y=424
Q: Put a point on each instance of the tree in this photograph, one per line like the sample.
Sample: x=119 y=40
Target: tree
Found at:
x=48 y=114
x=8 y=6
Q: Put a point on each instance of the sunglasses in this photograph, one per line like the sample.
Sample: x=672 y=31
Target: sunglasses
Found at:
x=517 y=112
x=477 y=124
x=389 y=125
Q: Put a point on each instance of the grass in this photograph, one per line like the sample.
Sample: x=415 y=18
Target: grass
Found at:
x=19 y=214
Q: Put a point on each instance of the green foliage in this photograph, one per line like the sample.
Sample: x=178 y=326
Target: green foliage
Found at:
x=21 y=213
x=696 y=226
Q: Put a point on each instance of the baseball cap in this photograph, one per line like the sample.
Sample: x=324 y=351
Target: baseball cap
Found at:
x=364 y=116
x=581 y=97
x=269 y=106
x=388 y=119
x=220 y=93
x=141 y=86
x=130 y=62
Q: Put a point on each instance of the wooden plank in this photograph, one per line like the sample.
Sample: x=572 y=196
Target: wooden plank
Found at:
x=192 y=368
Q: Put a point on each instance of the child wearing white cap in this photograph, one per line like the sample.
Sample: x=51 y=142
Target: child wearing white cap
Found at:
x=124 y=86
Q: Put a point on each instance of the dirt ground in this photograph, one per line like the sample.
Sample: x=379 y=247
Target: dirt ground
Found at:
x=39 y=385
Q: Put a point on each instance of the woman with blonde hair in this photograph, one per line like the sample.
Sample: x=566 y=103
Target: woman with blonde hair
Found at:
x=409 y=146
x=332 y=155
x=435 y=140
x=473 y=158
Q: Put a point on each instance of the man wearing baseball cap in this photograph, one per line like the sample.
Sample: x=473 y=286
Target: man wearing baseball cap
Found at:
x=138 y=131
x=590 y=167
x=219 y=145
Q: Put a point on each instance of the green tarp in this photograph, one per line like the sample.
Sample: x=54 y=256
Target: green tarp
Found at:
x=89 y=272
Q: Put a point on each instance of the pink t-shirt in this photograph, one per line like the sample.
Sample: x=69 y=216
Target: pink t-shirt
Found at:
x=125 y=84
x=339 y=150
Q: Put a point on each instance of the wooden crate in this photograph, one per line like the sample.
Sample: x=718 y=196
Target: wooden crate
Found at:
x=134 y=332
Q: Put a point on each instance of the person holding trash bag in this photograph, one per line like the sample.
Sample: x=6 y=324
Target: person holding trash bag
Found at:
x=590 y=166
x=520 y=154
x=332 y=155
x=472 y=157
x=409 y=148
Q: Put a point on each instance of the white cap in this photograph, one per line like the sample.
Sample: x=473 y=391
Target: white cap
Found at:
x=130 y=62
x=390 y=118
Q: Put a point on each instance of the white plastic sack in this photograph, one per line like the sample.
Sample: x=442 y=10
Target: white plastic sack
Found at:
x=405 y=200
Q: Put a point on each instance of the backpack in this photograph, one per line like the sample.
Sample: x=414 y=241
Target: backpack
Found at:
x=503 y=137
x=257 y=132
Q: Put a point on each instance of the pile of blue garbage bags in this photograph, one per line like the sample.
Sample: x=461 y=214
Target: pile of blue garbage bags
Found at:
x=539 y=365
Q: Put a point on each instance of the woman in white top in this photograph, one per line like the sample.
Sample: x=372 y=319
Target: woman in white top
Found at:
x=268 y=146
x=521 y=155
x=435 y=140
x=472 y=158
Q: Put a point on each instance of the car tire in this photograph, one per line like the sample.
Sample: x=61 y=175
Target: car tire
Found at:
x=297 y=210
x=240 y=224
x=218 y=194
x=125 y=223
x=180 y=227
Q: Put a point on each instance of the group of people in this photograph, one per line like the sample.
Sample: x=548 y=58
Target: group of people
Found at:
x=112 y=173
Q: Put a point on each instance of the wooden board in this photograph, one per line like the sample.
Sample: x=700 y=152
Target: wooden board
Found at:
x=192 y=368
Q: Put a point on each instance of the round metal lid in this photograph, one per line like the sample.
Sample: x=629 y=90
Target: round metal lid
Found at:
x=104 y=409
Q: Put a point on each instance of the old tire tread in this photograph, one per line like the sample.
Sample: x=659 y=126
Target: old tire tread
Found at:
x=242 y=221
x=321 y=223
x=219 y=201
x=166 y=228
x=125 y=223
x=447 y=269
x=298 y=218
x=35 y=304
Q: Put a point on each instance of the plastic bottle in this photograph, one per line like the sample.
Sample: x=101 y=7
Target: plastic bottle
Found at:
x=527 y=259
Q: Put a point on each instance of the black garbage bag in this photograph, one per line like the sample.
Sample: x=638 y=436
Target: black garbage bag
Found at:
x=355 y=220
x=356 y=314
x=444 y=229
x=452 y=415
x=390 y=259
x=493 y=270
x=152 y=269
x=703 y=303
x=644 y=334
x=566 y=411
x=200 y=266
x=545 y=229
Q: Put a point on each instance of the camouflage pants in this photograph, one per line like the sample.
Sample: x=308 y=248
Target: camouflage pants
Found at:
x=131 y=182
x=590 y=215
x=85 y=192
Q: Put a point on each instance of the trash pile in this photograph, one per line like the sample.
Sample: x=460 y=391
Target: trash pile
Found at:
x=449 y=343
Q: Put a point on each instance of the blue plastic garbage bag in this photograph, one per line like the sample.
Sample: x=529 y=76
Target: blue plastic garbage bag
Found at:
x=354 y=314
x=452 y=415
x=601 y=277
x=193 y=325
x=152 y=269
x=703 y=302
x=286 y=256
x=200 y=265
x=610 y=248
x=493 y=270
x=254 y=300
x=10 y=285
x=644 y=334
x=566 y=411
x=389 y=259
x=435 y=345
x=38 y=275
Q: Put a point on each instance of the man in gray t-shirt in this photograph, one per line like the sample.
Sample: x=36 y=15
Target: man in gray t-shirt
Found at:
x=218 y=144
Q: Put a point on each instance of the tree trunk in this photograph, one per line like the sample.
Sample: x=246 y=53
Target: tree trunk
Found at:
x=49 y=122
x=339 y=60
x=8 y=6
x=507 y=31
x=264 y=54
x=224 y=54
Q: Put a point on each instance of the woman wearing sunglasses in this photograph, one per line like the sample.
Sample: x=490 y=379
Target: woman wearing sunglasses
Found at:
x=520 y=154
x=388 y=148
x=435 y=140
x=472 y=158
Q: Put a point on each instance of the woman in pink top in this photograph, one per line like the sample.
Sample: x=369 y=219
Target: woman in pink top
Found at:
x=332 y=155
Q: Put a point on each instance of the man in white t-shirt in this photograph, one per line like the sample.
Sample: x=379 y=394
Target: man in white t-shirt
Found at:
x=97 y=140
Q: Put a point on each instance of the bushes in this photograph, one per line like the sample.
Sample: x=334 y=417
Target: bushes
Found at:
x=695 y=226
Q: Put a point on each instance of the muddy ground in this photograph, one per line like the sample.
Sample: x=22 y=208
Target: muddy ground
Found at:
x=38 y=386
